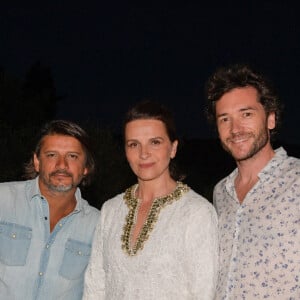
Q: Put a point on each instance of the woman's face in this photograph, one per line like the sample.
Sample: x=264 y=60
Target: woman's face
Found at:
x=149 y=149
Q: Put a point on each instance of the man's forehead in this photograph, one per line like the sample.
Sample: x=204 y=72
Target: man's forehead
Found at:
x=60 y=140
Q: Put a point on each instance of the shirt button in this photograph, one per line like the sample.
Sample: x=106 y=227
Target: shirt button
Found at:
x=41 y=273
x=60 y=225
x=79 y=253
x=13 y=235
x=47 y=246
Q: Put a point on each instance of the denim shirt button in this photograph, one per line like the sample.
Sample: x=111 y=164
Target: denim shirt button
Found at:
x=13 y=235
x=41 y=273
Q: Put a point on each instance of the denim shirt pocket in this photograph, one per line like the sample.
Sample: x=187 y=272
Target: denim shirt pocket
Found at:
x=15 y=241
x=75 y=260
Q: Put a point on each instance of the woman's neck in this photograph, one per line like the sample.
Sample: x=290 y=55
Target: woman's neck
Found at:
x=149 y=190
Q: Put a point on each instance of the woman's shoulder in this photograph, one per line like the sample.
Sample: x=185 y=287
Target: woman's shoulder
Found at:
x=118 y=200
x=114 y=202
x=195 y=209
x=195 y=201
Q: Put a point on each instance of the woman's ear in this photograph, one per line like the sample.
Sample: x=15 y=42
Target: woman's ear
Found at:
x=174 y=149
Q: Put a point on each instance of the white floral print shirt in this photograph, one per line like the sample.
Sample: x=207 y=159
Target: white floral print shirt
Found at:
x=260 y=238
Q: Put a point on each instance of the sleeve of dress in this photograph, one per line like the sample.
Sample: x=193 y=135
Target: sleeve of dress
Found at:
x=202 y=257
x=215 y=203
x=94 y=281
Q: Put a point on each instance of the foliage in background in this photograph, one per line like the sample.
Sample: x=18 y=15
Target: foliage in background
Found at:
x=27 y=104
x=113 y=174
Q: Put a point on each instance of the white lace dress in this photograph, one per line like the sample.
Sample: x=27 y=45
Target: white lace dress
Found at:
x=177 y=261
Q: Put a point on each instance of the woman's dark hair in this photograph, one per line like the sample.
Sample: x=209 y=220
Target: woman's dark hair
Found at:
x=149 y=109
x=228 y=78
x=67 y=128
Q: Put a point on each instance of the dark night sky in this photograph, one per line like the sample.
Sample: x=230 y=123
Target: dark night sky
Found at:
x=106 y=56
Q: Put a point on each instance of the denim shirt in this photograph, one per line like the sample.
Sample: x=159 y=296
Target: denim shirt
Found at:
x=34 y=262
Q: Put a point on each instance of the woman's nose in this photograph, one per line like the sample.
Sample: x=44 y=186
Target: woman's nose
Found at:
x=144 y=152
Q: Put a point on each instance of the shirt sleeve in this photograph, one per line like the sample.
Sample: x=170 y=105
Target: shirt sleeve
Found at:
x=202 y=257
x=94 y=281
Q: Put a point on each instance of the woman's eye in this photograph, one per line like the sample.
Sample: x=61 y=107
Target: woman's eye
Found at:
x=132 y=145
x=223 y=120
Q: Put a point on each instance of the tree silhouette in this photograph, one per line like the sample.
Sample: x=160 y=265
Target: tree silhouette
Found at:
x=39 y=99
x=10 y=98
x=26 y=104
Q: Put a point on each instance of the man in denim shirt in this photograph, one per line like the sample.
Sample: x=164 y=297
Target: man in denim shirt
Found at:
x=258 y=204
x=46 y=228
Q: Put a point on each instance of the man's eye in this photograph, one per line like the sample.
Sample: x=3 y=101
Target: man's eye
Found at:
x=73 y=156
x=155 y=142
x=50 y=155
x=247 y=114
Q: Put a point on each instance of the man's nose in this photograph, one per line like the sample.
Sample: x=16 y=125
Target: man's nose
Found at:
x=61 y=162
x=235 y=125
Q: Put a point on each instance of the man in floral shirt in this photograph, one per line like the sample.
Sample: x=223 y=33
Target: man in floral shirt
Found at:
x=258 y=204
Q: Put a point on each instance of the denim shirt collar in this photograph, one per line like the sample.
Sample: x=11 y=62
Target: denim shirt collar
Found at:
x=33 y=191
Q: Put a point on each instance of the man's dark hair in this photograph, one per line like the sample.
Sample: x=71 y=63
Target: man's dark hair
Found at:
x=67 y=128
x=234 y=76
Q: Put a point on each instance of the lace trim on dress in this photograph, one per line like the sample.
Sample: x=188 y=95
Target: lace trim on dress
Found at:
x=158 y=203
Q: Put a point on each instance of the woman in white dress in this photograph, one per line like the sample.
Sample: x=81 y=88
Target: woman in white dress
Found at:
x=158 y=239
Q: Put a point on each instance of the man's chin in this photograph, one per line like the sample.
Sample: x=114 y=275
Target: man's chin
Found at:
x=237 y=152
x=61 y=188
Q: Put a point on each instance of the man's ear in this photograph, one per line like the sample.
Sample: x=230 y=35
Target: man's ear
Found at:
x=85 y=171
x=36 y=163
x=271 y=119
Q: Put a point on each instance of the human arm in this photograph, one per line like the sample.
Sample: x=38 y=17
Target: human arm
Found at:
x=94 y=281
x=201 y=259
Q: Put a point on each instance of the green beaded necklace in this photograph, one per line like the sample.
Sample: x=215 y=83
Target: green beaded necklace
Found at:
x=132 y=203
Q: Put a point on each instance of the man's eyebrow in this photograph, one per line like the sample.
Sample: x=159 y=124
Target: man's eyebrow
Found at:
x=240 y=110
x=248 y=108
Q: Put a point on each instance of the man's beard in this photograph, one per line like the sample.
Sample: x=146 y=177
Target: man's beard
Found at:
x=259 y=143
x=60 y=187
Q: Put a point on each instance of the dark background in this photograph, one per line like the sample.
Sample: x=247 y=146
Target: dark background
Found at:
x=89 y=62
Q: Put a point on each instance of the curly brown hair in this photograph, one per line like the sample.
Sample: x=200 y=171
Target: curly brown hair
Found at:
x=234 y=76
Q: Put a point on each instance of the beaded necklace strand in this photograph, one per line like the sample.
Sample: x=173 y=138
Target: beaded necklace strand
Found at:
x=132 y=202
